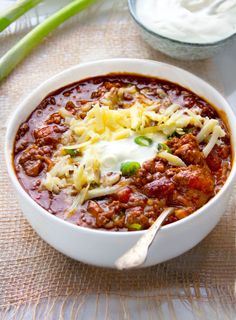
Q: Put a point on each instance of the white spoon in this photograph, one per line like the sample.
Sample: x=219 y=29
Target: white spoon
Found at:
x=138 y=253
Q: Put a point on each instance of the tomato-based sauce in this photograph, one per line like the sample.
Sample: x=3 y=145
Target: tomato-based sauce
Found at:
x=184 y=171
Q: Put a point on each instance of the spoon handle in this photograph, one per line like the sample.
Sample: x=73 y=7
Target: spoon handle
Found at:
x=138 y=253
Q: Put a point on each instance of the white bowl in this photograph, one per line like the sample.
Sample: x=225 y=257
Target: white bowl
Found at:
x=102 y=248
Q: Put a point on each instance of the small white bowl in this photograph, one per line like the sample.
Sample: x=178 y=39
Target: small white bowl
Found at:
x=102 y=248
x=175 y=48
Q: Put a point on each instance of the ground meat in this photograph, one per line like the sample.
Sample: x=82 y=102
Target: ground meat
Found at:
x=213 y=160
x=159 y=188
x=86 y=220
x=194 y=187
x=223 y=151
x=94 y=208
x=172 y=218
x=46 y=102
x=67 y=93
x=208 y=111
x=107 y=215
x=195 y=177
x=31 y=161
x=22 y=130
x=21 y=145
x=182 y=186
x=99 y=93
x=215 y=157
x=70 y=106
x=34 y=159
x=150 y=171
x=49 y=135
x=155 y=166
x=136 y=215
x=109 y=85
x=186 y=187
x=33 y=167
x=124 y=195
x=189 y=100
x=155 y=186
x=55 y=118
x=185 y=197
x=187 y=149
x=137 y=199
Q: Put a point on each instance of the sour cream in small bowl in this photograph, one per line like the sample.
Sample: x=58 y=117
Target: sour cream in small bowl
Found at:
x=185 y=29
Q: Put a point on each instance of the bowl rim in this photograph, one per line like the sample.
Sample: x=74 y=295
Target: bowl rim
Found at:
x=10 y=137
x=133 y=14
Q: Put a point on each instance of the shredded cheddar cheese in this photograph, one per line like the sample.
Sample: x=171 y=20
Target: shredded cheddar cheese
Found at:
x=106 y=122
x=172 y=159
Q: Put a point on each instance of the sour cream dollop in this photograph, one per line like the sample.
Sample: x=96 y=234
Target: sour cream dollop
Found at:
x=112 y=153
x=188 y=20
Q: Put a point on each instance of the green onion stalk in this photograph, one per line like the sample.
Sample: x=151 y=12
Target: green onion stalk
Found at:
x=16 y=54
x=15 y=11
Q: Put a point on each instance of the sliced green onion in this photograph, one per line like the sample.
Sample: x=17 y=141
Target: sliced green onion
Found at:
x=16 y=54
x=174 y=134
x=135 y=226
x=188 y=130
x=177 y=135
x=15 y=11
x=129 y=168
x=72 y=152
x=163 y=147
x=143 y=141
